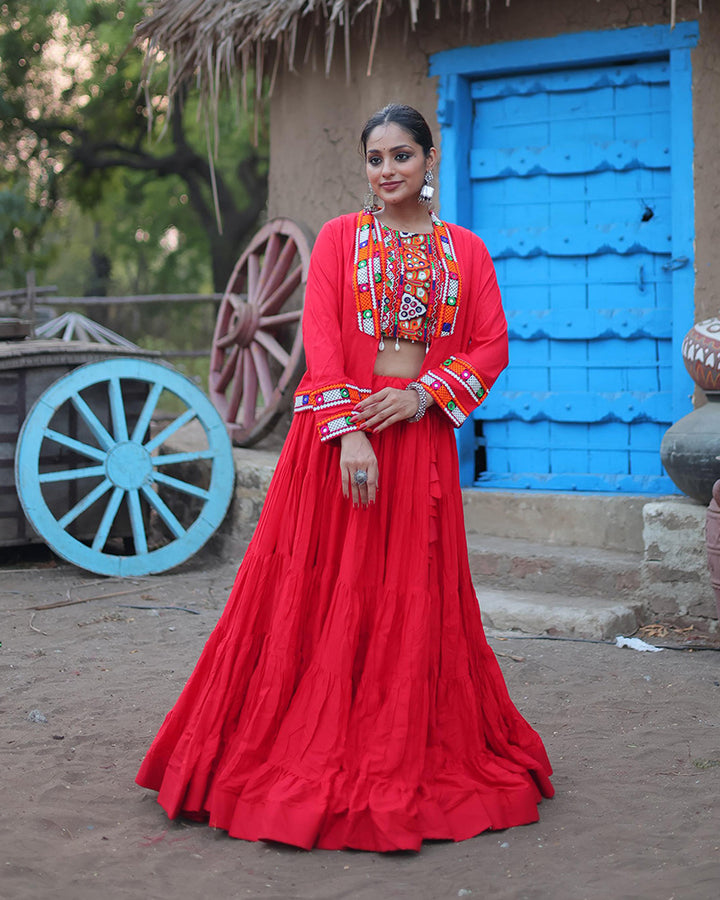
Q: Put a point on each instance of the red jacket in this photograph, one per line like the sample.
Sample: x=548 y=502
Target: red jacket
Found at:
x=459 y=368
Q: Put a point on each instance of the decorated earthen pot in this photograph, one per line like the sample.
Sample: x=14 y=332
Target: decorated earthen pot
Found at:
x=701 y=354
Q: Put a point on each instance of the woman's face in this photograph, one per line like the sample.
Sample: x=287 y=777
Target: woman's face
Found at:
x=396 y=165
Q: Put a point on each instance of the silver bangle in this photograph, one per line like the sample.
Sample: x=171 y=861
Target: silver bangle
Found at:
x=422 y=400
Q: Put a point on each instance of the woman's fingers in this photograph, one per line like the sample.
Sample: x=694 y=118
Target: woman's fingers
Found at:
x=385 y=408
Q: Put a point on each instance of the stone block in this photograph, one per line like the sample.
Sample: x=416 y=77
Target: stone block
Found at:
x=675 y=578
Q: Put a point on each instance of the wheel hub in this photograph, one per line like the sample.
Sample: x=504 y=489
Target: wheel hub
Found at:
x=129 y=465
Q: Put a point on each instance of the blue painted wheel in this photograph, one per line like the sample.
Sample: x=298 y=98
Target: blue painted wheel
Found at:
x=124 y=467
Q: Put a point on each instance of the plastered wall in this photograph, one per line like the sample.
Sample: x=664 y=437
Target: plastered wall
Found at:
x=316 y=171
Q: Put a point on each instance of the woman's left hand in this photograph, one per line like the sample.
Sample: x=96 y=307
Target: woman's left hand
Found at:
x=386 y=407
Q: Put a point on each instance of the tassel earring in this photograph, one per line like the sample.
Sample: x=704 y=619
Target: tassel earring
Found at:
x=370 y=203
x=427 y=190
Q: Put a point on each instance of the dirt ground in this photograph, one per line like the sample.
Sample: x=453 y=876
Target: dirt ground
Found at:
x=634 y=739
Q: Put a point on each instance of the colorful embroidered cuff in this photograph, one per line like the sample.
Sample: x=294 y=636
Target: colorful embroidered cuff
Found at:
x=456 y=387
x=332 y=395
x=335 y=427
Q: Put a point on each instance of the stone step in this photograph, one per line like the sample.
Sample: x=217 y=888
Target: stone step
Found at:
x=608 y=521
x=558 y=614
x=507 y=564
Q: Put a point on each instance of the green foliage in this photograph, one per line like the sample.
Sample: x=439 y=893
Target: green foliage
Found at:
x=100 y=193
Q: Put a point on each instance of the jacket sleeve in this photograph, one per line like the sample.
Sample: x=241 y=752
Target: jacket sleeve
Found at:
x=461 y=382
x=326 y=390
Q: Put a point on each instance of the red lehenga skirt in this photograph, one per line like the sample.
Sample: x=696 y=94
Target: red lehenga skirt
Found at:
x=347 y=696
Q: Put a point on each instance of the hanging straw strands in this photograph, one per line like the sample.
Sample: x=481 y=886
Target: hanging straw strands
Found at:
x=214 y=41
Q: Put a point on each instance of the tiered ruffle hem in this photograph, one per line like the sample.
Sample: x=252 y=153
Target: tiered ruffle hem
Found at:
x=347 y=697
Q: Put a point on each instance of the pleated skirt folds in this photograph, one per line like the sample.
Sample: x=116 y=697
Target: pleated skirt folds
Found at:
x=347 y=696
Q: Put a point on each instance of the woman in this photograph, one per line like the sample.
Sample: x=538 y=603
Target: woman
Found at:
x=347 y=696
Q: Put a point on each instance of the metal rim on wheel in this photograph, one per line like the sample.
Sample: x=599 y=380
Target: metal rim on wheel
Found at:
x=84 y=436
x=257 y=345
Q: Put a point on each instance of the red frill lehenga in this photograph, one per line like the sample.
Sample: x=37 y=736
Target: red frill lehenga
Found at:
x=347 y=696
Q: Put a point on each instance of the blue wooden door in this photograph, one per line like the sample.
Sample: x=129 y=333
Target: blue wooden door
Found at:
x=570 y=187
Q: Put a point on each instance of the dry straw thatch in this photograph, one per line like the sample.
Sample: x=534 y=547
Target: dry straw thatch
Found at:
x=215 y=41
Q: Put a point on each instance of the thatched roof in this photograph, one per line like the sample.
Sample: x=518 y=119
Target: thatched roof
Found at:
x=214 y=41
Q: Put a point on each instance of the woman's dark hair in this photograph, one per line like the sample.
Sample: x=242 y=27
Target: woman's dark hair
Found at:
x=405 y=117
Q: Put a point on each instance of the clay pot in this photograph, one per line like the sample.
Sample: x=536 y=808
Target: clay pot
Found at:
x=712 y=539
x=690 y=450
x=701 y=354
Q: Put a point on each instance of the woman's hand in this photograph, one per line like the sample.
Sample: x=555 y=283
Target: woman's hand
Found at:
x=357 y=454
x=386 y=407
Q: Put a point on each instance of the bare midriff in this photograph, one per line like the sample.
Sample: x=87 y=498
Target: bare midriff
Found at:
x=405 y=362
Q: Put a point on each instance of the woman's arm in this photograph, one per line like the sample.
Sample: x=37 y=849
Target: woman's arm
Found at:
x=330 y=394
x=461 y=382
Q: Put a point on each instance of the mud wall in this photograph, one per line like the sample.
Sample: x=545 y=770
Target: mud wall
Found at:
x=316 y=170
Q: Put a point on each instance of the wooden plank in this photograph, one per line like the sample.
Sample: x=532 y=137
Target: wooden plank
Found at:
x=569 y=158
x=576 y=406
x=586 y=240
x=683 y=225
x=455 y=115
x=590 y=324
x=569 y=80
x=577 y=481
x=580 y=48
x=132 y=298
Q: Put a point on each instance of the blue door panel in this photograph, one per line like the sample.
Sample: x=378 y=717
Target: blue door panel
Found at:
x=571 y=175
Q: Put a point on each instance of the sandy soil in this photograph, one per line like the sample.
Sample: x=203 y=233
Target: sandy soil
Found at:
x=634 y=738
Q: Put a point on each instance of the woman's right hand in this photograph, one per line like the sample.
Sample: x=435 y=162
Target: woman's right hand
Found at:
x=357 y=454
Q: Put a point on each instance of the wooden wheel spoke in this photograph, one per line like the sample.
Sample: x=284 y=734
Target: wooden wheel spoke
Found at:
x=273 y=347
x=278 y=273
x=117 y=410
x=111 y=510
x=270 y=258
x=87 y=501
x=163 y=510
x=71 y=474
x=228 y=338
x=170 y=459
x=236 y=394
x=282 y=292
x=66 y=441
x=222 y=378
x=141 y=426
x=262 y=368
x=280 y=319
x=251 y=391
x=253 y=275
x=93 y=423
x=136 y=521
x=182 y=486
x=167 y=432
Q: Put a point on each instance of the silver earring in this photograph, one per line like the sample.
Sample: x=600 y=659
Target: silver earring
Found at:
x=370 y=203
x=427 y=190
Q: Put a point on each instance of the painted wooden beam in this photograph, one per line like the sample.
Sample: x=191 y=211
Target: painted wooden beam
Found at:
x=575 y=406
x=582 y=48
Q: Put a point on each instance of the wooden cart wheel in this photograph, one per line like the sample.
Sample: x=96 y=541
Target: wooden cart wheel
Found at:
x=103 y=471
x=257 y=346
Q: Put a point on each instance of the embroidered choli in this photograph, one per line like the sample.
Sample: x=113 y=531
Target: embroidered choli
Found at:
x=351 y=300
x=399 y=278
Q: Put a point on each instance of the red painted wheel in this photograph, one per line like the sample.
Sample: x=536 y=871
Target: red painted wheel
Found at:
x=257 y=348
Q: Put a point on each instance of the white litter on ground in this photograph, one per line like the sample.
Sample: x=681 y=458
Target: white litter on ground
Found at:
x=635 y=644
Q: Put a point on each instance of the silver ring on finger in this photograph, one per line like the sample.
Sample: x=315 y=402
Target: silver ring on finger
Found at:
x=360 y=477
